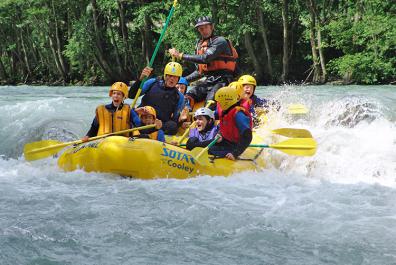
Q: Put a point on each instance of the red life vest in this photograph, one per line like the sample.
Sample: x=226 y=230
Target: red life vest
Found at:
x=228 y=127
x=246 y=103
x=223 y=62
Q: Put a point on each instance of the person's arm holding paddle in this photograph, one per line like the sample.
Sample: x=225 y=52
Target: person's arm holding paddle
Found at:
x=146 y=72
x=93 y=131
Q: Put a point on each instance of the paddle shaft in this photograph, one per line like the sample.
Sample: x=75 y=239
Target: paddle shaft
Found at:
x=279 y=146
x=155 y=51
x=90 y=139
x=207 y=148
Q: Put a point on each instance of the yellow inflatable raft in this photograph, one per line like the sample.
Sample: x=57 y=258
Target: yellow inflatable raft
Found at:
x=148 y=159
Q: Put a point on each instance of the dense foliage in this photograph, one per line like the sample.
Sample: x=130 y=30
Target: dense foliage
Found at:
x=101 y=41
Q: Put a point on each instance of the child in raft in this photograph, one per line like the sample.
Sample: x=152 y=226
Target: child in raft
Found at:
x=205 y=130
x=235 y=125
x=148 y=116
x=184 y=118
x=115 y=116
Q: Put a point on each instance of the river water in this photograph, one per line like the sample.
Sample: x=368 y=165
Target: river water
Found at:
x=337 y=207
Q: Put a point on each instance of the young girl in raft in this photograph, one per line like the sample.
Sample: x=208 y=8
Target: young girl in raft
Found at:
x=148 y=116
x=205 y=130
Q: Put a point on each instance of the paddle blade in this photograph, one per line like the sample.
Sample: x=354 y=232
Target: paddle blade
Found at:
x=297 y=146
x=295 y=133
x=297 y=109
x=30 y=155
x=200 y=155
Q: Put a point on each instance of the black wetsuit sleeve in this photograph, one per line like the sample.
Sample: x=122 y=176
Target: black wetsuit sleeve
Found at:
x=218 y=46
x=193 y=76
x=245 y=140
x=193 y=142
x=134 y=89
x=146 y=136
x=93 y=131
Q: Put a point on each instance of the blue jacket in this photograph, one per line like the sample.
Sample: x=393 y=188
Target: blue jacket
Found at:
x=167 y=102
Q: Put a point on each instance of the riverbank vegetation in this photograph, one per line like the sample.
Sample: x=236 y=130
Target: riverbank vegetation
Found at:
x=279 y=41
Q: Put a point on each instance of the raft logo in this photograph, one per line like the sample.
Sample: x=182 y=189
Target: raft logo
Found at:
x=180 y=158
x=92 y=145
x=177 y=155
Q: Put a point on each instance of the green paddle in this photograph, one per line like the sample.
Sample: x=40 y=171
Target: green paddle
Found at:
x=46 y=148
x=155 y=51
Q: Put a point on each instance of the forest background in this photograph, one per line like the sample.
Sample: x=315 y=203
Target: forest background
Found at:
x=97 y=42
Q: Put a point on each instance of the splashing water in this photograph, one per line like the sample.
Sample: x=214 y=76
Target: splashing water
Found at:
x=337 y=207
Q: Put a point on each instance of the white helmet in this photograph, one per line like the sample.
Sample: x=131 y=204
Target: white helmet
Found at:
x=204 y=112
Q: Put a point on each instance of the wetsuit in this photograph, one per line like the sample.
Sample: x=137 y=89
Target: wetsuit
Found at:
x=215 y=59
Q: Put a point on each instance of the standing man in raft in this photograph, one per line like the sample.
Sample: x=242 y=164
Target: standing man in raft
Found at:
x=215 y=58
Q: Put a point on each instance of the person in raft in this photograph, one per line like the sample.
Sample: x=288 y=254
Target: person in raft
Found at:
x=184 y=118
x=235 y=125
x=161 y=94
x=115 y=116
x=205 y=131
x=252 y=102
x=148 y=116
x=215 y=58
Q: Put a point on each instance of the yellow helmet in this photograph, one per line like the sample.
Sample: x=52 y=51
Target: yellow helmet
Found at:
x=173 y=68
x=149 y=110
x=247 y=80
x=226 y=97
x=119 y=86
x=238 y=86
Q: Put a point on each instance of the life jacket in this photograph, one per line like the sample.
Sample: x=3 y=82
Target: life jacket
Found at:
x=113 y=121
x=153 y=135
x=246 y=104
x=205 y=136
x=228 y=127
x=222 y=62
x=166 y=102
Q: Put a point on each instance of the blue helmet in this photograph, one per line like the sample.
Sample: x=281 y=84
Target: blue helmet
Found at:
x=183 y=81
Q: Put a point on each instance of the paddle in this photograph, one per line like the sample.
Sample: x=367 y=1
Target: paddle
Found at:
x=297 y=109
x=294 y=146
x=155 y=51
x=210 y=102
x=197 y=152
x=290 y=132
x=46 y=148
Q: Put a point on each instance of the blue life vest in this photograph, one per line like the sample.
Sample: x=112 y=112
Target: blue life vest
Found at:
x=167 y=102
